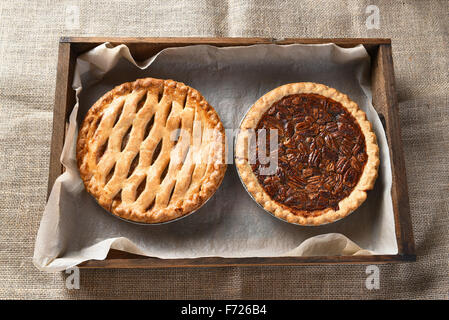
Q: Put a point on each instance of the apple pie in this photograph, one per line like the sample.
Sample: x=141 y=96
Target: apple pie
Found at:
x=151 y=150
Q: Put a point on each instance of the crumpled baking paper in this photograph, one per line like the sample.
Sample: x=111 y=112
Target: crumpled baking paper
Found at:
x=74 y=228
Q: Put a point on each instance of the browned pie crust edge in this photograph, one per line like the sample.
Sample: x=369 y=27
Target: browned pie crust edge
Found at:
x=346 y=205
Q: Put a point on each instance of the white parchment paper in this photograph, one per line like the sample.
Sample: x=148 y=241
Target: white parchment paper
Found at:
x=74 y=228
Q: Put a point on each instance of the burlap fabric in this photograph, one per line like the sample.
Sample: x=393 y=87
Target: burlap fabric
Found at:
x=29 y=33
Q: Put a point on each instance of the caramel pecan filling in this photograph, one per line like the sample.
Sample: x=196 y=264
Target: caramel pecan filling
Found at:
x=321 y=153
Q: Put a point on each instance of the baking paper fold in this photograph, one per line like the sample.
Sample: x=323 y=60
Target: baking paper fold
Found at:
x=74 y=228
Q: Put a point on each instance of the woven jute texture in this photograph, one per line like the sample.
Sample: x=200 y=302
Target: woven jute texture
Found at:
x=29 y=33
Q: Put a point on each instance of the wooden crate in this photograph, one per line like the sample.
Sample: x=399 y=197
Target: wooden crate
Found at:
x=384 y=101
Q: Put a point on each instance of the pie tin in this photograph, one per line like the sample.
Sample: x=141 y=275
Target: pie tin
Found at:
x=252 y=197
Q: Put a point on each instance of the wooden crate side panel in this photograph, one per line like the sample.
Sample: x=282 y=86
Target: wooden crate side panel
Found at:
x=64 y=100
x=385 y=102
x=125 y=263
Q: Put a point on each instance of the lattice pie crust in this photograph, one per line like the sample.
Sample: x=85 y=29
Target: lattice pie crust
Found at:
x=151 y=150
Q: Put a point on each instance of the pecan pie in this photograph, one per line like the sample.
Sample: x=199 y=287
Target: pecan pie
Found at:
x=327 y=154
x=151 y=150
